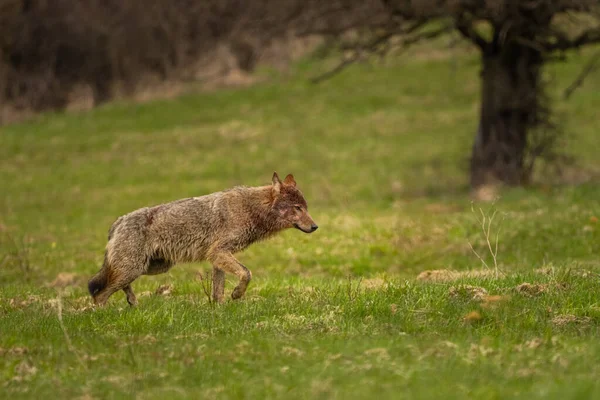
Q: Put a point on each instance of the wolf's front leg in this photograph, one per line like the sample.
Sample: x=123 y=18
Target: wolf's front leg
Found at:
x=225 y=261
x=218 y=285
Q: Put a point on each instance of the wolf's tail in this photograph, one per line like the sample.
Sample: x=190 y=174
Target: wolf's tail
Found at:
x=100 y=280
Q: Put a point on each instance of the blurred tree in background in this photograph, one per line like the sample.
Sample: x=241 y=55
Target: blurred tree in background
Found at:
x=47 y=47
x=515 y=38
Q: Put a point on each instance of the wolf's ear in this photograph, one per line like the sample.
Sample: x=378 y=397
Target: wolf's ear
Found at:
x=276 y=183
x=289 y=180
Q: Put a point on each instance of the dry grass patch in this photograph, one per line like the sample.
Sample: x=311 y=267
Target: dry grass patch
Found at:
x=66 y=279
x=468 y=292
x=493 y=301
x=570 y=319
x=447 y=275
x=472 y=317
x=373 y=284
x=19 y=303
x=14 y=351
x=531 y=290
x=164 y=290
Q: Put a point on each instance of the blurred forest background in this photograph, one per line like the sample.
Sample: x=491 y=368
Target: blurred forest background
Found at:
x=61 y=54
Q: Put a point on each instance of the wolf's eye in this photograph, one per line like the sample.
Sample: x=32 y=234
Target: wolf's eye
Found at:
x=298 y=208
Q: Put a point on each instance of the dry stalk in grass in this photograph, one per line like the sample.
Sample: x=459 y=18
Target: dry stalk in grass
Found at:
x=486 y=222
x=206 y=284
x=70 y=346
x=353 y=291
x=19 y=253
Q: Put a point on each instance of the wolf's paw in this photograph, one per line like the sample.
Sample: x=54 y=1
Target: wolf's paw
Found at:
x=237 y=293
x=132 y=302
x=218 y=300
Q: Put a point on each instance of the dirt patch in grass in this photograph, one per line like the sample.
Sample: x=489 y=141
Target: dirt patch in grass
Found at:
x=536 y=289
x=79 y=304
x=25 y=302
x=13 y=351
x=532 y=344
x=472 y=317
x=467 y=292
x=373 y=284
x=24 y=371
x=570 y=319
x=447 y=275
x=164 y=290
x=493 y=301
x=66 y=279
x=531 y=290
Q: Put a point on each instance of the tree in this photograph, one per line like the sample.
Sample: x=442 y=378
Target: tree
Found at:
x=515 y=39
x=48 y=48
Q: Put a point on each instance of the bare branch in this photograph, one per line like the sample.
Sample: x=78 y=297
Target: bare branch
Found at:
x=369 y=47
x=427 y=35
x=395 y=12
x=411 y=10
x=575 y=5
x=375 y=46
x=591 y=66
x=531 y=44
x=337 y=69
x=468 y=31
x=563 y=43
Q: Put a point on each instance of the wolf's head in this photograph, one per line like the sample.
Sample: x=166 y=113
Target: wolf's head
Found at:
x=290 y=205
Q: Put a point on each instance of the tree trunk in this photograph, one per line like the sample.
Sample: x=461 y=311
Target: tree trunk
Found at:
x=509 y=110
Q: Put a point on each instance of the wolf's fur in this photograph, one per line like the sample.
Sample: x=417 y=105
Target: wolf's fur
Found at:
x=151 y=240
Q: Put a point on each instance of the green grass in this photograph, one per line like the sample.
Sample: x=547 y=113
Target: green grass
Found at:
x=380 y=153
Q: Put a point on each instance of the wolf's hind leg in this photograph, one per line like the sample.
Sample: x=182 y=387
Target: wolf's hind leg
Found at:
x=228 y=263
x=101 y=298
x=118 y=282
x=131 y=299
x=121 y=272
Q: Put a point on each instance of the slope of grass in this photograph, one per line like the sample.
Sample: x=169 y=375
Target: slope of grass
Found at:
x=380 y=153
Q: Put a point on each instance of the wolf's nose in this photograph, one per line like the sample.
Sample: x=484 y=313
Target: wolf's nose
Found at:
x=313 y=227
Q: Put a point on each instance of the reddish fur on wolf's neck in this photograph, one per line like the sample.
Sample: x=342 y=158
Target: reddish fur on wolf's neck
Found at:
x=258 y=204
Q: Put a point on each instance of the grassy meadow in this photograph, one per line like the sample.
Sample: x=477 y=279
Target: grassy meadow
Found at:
x=397 y=294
